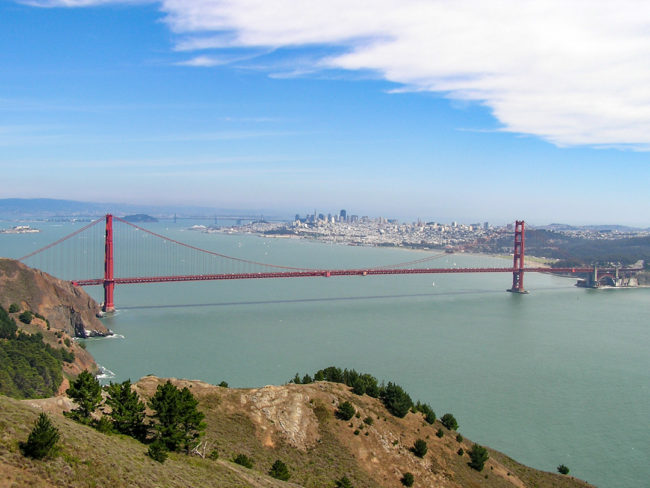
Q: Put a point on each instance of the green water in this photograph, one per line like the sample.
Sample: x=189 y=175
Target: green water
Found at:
x=559 y=376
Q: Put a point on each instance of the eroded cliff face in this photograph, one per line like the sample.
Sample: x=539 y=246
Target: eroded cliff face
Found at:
x=68 y=308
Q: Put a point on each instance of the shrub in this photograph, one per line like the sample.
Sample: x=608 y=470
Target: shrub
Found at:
x=214 y=455
x=26 y=317
x=562 y=469
x=357 y=432
x=243 y=460
x=13 y=308
x=345 y=411
x=369 y=420
x=478 y=455
x=67 y=342
x=460 y=451
x=42 y=439
x=343 y=483
x=420 y=448
x=449 y=421
x=427 y=411
x=440 y=433
x=408 y=479
x=307 y=379
x=103 y=425
x=279 y=471
x=157 y=451
x=396 y=400
x=82 y=345
x=223 y=384
x=459 y=438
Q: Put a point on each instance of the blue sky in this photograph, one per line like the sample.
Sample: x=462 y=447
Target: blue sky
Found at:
x=465 y=111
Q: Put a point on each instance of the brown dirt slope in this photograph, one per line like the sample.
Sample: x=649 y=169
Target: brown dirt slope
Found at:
x=294 y=423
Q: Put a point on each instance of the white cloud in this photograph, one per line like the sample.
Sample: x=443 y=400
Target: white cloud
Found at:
x=572 y=72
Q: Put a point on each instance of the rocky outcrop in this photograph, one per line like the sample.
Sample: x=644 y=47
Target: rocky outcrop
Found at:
x=67 y=308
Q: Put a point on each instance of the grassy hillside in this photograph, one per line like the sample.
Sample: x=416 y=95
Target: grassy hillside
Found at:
x=294 y=423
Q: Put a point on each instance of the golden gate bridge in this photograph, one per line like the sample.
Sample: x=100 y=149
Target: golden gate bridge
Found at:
x=177 y=261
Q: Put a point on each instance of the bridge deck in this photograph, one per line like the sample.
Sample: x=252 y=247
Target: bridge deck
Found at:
x=334 y=272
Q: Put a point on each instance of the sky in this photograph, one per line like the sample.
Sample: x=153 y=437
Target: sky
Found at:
x=441 y=110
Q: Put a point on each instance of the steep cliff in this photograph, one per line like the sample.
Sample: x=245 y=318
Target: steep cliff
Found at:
x=67 y=308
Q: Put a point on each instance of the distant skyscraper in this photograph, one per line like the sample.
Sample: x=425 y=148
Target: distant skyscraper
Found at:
x=343 y=215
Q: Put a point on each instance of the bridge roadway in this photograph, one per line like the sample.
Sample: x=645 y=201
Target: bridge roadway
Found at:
x=337 y=272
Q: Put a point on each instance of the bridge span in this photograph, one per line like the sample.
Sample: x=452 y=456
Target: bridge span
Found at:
x=260 y=270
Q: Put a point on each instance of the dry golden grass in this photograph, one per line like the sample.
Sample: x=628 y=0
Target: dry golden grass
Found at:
x=294 y=423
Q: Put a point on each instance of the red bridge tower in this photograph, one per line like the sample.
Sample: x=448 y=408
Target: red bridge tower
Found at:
x=109 y=281
x=518 y=259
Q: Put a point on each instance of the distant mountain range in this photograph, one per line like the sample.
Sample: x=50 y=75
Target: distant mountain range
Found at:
x=49 y=208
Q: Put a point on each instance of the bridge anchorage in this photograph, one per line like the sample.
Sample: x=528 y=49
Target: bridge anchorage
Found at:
x=175 y=261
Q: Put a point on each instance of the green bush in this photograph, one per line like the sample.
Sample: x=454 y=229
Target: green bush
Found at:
x=408 y=479
x=103 y=425
x=26 y=317
x=459 y=438
x=214 y=455
x=427 y=411
x=13 y=308
x=279 y=471
x=420 y=448
x=562 y=469
x=345 y=411
x=460 y=451
x=42 y=439
x=369 y=420
x=223 y=384
x=440 y=433
x=343 y=482
x=478 y=455
x=396 y=400
x=157 y=451
x=243 y=460
x=449 y=421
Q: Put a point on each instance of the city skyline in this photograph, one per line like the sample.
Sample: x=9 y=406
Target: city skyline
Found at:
x=470 y=112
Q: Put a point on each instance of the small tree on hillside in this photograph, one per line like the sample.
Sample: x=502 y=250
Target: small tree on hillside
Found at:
x=178 y=423
x=562 y=469
x=420 y=448
x=449 y=421
x=345 y=411
x=396 y=400
x=478 y=455
x=279 y=471
x=87 y=393
x=343 y=483
x=42 y=439
x=127 y=410
x=408 y=479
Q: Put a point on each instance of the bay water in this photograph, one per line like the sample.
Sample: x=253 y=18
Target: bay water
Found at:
x=559 y=376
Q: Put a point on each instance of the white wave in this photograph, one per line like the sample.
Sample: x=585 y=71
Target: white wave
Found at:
x=105 y=373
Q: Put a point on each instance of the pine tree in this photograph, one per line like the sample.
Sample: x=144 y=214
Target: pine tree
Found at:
x=127 y=410
x=178 y=422
x=279 y=471
x=87 y=393
x=42 y=438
